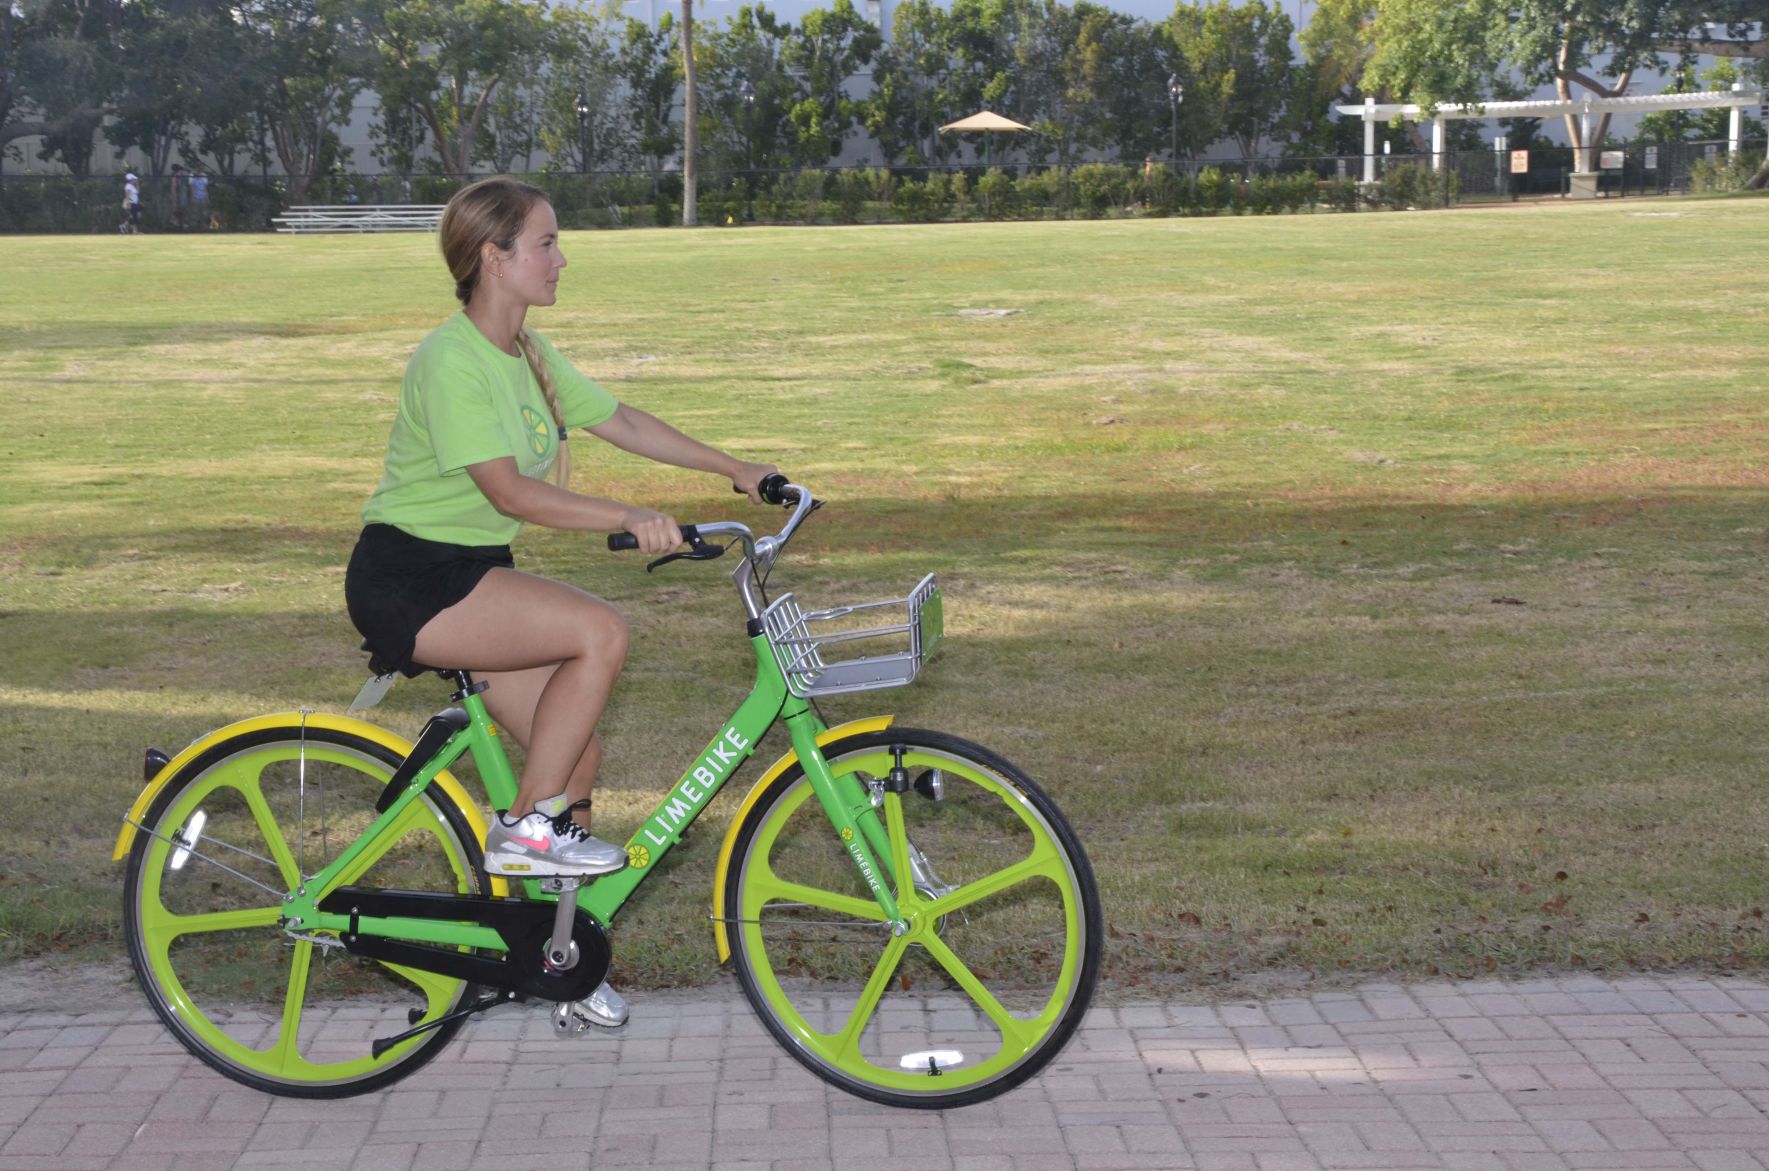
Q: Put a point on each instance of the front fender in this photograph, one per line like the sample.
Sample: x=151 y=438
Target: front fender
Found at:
x=853 y=728
x=138 y=812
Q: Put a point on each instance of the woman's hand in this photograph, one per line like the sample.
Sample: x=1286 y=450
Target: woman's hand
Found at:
x=748 y=477
x=656 y=532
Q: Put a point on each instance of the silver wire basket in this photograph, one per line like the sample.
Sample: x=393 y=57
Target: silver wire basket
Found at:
x=819 y=650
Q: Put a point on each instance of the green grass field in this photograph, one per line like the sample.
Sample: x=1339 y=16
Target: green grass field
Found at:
x=1378 y=593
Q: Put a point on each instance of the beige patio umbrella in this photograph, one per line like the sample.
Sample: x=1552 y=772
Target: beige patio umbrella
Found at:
x=989 y=123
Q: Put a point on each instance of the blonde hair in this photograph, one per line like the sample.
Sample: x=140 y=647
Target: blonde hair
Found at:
x=493 y=211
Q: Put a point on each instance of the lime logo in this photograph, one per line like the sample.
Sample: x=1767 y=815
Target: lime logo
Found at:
x=638 y=857
x=847 y=834
x=538 y=430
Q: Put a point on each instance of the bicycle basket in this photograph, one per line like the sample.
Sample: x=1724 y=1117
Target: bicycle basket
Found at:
x=816 y=648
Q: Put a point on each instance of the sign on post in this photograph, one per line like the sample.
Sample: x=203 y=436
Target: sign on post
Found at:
x=1610 y=160
x=1520 y=162
x=1652 y=158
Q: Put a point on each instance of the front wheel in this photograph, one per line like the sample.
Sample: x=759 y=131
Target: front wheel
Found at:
x=1002 y=948
x=274 y=1007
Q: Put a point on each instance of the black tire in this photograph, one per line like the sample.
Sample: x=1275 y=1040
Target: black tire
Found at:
x=205 y=942
x=805 y=932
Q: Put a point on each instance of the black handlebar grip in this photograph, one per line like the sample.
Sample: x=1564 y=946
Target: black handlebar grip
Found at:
x=618 y=542
x=773 y=489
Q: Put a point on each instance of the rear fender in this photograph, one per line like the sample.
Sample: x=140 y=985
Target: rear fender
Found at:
x=446 y=780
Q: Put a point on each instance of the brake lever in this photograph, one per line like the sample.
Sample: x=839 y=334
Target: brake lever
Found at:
x=698 y=550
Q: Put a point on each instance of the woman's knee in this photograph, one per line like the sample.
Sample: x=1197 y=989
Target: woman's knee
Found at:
x=602 y=634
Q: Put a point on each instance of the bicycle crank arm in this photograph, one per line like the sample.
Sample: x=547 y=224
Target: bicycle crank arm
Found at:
x=526 y=929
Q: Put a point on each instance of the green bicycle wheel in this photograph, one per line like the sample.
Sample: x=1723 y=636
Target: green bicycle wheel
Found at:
x=1003 y=941
x=282 y=1010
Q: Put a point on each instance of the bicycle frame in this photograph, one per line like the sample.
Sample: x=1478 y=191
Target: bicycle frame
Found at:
x=852 y=815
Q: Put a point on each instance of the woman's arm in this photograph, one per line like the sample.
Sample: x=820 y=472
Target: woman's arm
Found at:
x=539 y=502
x=631 y=429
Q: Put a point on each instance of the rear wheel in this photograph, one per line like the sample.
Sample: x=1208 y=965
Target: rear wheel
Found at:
x=282 y=1010
x=1002 y=948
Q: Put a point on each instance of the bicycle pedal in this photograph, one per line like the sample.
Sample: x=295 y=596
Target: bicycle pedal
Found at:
x=569 y=1020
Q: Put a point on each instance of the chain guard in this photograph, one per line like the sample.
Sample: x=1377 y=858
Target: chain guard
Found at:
x=525 y=926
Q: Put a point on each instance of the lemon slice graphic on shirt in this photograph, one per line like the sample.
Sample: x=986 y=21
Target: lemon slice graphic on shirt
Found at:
x=538 y=430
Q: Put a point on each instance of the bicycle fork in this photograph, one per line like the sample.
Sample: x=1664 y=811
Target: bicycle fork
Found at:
x=852 y=813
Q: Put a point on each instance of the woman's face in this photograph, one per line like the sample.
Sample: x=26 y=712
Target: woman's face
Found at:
x=529 y=272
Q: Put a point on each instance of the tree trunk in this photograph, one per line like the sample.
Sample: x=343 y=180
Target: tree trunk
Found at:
x=1759 y=181
x=690 y=118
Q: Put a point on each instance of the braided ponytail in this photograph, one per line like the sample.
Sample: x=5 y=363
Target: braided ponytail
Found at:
x=525 y=342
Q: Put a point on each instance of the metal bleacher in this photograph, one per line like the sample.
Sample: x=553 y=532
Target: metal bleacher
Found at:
x=366 y=217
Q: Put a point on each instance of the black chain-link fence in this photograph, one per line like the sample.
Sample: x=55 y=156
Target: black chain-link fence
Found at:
x=62 y=204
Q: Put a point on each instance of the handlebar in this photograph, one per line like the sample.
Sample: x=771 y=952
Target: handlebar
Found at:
x=773 y=489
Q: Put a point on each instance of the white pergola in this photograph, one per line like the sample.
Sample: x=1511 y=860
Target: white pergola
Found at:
x=1738 y=97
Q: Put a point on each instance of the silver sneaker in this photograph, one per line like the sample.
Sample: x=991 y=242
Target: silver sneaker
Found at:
x=604 y=1007
x=547 y=842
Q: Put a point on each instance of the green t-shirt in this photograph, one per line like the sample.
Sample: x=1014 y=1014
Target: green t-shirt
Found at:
x=463 y=402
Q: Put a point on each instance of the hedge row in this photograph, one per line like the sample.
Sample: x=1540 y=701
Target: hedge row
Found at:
x=857 y=195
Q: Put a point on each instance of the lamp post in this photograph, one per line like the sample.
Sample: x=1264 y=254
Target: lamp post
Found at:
x=582 y=106
x=748 y=93
x=1176 y=95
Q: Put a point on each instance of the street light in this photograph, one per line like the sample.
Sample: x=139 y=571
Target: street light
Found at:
x=748 y=93
x=1175 y=93
x=583 y=130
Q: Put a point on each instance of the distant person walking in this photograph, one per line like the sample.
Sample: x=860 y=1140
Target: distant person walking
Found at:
x=199 y=198
x=131 y=205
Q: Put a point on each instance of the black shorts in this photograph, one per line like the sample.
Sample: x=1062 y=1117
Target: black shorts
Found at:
x=397 y=582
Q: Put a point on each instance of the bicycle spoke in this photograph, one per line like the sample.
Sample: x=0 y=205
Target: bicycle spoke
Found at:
x=1021 y=1034
x=273 y=834
x=285 y=1055
x=847 y=1046
x=162 y=931
x=1033 y=866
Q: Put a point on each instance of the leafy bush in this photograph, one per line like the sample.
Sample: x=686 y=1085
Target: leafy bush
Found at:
x=1413 y=185
x=1099 y=187
x=852 y=189
x=1340 y=194
x=808 y=188
x=998 y=192
x=1727 y=174
x=920 y=203
x=1213 y=191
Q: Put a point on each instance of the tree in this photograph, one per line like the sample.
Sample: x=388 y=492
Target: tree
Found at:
x=832 y=45
x=1240 y=64
x=1441 y=51
x=649 y=72
x=443 y=60
x=690 y=122
x=311 y=65
x=911 y=97
x=583 y=69
x=746 y=58
x=57 y=75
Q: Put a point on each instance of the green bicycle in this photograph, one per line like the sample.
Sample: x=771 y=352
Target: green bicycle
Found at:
x=909 y=914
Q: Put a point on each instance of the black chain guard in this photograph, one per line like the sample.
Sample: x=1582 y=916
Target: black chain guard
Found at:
x=525 y=927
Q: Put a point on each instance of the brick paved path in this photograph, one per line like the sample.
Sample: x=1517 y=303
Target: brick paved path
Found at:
x=1541 y=1076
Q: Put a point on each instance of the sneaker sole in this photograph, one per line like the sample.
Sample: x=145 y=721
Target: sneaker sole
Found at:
x=542 y=869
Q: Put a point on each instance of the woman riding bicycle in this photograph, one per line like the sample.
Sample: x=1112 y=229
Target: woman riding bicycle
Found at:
x=483 y=415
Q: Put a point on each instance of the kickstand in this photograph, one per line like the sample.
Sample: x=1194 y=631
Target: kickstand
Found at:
x=484 y=1002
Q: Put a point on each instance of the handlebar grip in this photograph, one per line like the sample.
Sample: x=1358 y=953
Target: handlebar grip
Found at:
x=773 y=489
x=617 y=542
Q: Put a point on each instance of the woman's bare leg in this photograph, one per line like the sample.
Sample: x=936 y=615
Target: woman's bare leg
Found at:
x=512 y=697
x=513 y=623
